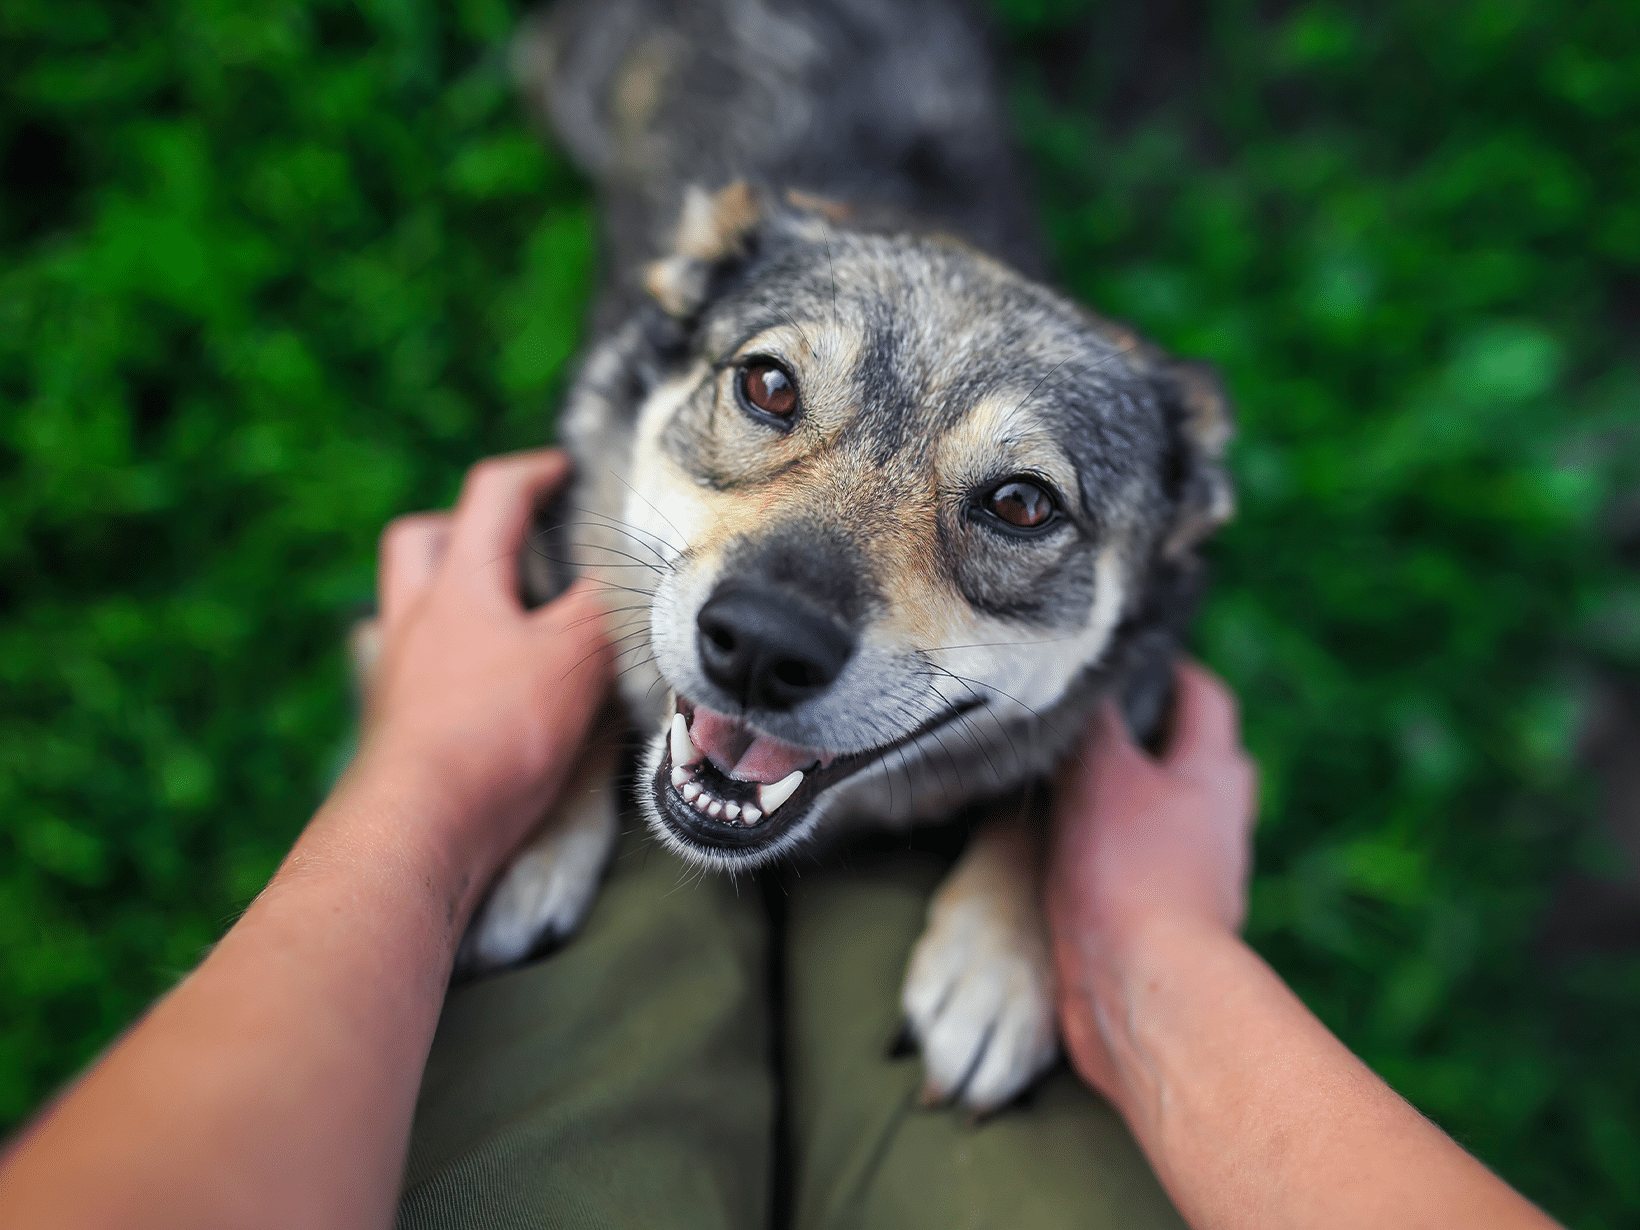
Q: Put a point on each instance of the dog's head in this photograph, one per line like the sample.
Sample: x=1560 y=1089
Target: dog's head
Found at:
x=901 y=499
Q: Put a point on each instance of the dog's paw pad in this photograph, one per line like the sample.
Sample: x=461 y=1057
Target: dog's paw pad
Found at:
x=978 y=996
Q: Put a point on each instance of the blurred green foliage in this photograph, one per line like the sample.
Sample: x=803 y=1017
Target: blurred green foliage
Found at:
x=272 y=274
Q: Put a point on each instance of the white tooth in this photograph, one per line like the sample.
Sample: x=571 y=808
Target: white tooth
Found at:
x=689 y=790
x=702 y=803
x=731 y=811
x=771 y=797
x=680 y=775
x=750 y=814
x=684 y=752
x=716 y=809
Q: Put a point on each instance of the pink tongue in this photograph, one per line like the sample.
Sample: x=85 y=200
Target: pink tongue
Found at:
x=746 y=755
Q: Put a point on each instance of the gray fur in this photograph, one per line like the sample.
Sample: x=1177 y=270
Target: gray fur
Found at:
x=907 y=305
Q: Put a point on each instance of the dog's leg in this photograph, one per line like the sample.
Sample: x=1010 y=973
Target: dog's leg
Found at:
x=545 y=892
x=979 y=992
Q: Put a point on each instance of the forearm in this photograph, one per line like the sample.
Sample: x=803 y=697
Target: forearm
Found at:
x=1253 y=1114
x=275 y=1085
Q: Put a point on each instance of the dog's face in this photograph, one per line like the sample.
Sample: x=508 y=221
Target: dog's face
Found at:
x=904 y=499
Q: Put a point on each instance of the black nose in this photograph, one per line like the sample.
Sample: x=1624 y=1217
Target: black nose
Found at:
x=767 y=648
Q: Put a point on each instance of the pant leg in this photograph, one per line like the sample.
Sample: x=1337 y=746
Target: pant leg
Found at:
x=866 y=1157
x=622 y=1082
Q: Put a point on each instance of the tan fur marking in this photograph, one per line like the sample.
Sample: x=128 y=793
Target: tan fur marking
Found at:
x=833 y=211
x=712 y=226
x=1207 y=424
x=640 y=85
x=1003 y=428
x=715 y=225
x=677 y=283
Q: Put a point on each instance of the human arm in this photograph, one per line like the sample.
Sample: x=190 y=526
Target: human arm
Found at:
x=1251 y=1112
x=274 y=1086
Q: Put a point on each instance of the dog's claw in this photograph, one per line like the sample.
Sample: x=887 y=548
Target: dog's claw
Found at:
x=904 y=1042
x=978 y=990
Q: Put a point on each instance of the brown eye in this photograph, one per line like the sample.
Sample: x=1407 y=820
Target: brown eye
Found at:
x=1021 y=504
x=768 y=388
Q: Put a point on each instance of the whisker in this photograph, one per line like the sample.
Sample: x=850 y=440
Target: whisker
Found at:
x=1080 y=370
x=1036 y=713
x=978 y=745
x=928 y=711
x=602 y=567
x=1031 y=709
x=585 y=658
x=617 y=610
x=635 y=666
x=1058 y=640
x=1039 y=383
x=642 y=593
x=659 y=678
x=787 y=317
x=681 y=536
x=1019 y=761
x=625 y=528
x=912 y=719
x=598 y=546
x=832 y=265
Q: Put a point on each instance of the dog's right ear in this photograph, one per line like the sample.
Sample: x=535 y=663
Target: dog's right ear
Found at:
x=1200 y=422
x=715 y=233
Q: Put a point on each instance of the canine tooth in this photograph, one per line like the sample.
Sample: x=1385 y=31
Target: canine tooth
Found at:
x=689 y=790
x=680 y=775
x=771 y=797
x=731 y=811
x=750 y=814
x=683 y=751
x=716 y=808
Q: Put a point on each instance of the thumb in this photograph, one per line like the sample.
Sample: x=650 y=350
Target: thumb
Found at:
x=1105 y=753
x=1207 y=726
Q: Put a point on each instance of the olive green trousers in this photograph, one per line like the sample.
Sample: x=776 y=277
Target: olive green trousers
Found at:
x=639 y=1078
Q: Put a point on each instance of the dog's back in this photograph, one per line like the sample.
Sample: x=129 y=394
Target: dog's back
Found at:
x=891 y=107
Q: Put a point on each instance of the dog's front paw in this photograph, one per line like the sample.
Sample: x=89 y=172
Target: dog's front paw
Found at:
x=979 y=994
x=545 y=892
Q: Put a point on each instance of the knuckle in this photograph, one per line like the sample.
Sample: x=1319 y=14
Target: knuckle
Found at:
x=398 y=531
x=482 y=475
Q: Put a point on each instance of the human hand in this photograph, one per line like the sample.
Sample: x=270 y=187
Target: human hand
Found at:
x=474 y=700
x=1139 y=841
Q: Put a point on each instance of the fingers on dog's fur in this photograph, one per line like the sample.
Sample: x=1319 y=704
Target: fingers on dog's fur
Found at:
x=978 y=992
x=407 y=558
x=364 y=650
x=1208 y=719
x=496 y=501
x=545 y=892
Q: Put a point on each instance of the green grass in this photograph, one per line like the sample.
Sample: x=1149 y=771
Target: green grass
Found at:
x=272 y=274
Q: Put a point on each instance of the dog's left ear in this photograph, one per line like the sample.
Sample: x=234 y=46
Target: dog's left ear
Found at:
x=715 y=232
x=1200 y=423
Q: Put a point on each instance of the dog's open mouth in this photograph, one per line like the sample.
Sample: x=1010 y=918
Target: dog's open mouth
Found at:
x=723 y=784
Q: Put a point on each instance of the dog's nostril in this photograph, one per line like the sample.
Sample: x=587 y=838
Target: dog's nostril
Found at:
x=796 y=674
x=722 y=638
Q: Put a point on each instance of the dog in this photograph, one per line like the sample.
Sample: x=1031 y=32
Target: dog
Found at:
x=888 y=516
